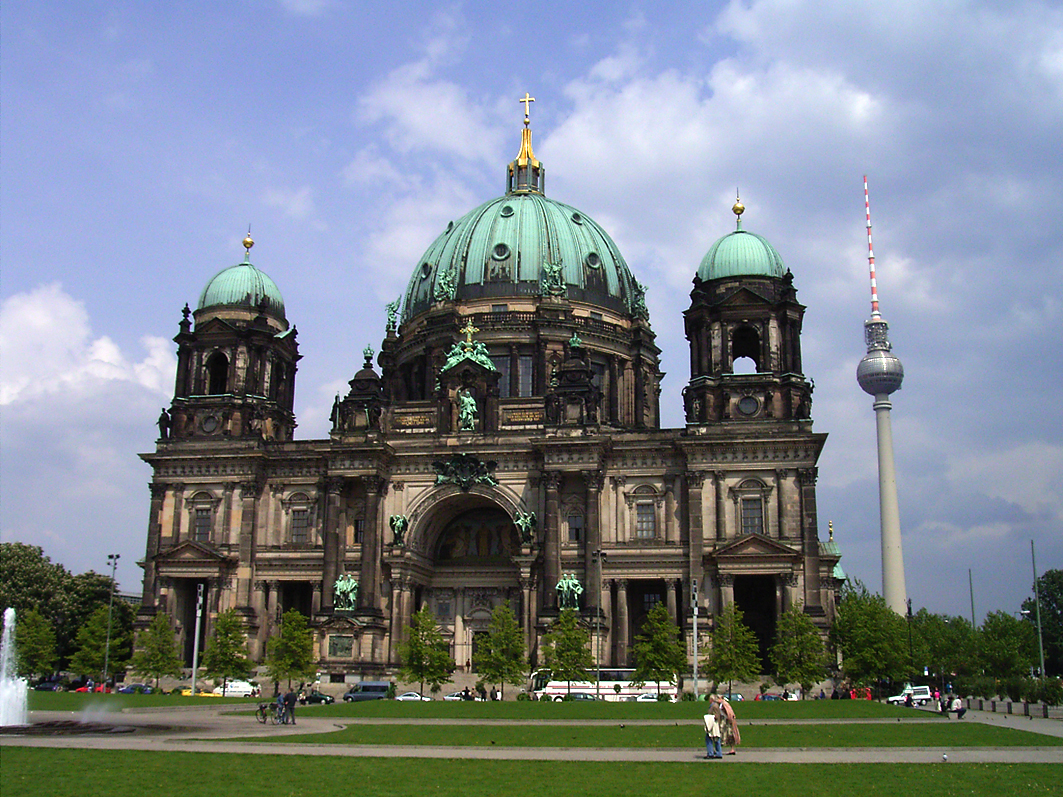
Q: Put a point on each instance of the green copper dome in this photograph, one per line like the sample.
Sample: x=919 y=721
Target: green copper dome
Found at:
x=741 y=254
x=514 y=246
x=524 y=244
x=242 y=286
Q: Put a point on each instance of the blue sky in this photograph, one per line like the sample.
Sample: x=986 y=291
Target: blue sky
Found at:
x=139 y=140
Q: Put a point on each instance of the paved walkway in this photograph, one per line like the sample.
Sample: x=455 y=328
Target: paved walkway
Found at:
x=208 y=729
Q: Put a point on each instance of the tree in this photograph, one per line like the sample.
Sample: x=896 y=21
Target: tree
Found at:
x=158 y=654
x=659 y=654
x=944 y=645
x=1050 y=591
x=734 y=654
x=1006 y=645
x=290 y=654
x=92 y=646
x=565 y=649
x=872 y=638
x=226 y=654
x=35 y=643
x=798 y=655
x=424 y=654
x=500 y=658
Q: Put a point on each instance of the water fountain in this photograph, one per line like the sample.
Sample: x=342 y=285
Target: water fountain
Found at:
x=13 y=690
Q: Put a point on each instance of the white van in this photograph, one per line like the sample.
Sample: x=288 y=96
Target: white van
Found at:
x=921 y=695
x=235 y=689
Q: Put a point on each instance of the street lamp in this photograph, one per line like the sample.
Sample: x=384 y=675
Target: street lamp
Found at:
x=598 y=556
x=1037 y=606
x=112 y=560
x=911 y=656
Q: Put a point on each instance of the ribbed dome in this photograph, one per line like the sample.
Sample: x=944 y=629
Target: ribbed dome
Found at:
x=242 y=286
x=741 y=254
x=499 y=250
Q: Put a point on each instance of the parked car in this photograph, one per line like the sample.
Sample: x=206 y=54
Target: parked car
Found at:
x=646 y=697
x=50 y=686
x=921 y=695
x=133 y=689
x=768 y=696
x=367 y=690
x=733 y=697
x=200 y=692
x=414 y=696
x=316 y=697
x=97 y=688
x=579 y=696
x=462 y=695
x=236 y=689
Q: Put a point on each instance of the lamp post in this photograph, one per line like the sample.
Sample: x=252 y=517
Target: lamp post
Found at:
x=112 y=560
x=598 y=555
x=1037 y=606
x=911 y=655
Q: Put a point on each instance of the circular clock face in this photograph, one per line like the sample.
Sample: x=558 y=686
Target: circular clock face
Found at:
x=209 y=424
x=747 y=405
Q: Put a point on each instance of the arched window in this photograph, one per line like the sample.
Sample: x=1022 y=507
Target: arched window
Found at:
x=745 y=342
x=217 y=374
x=201 y=508
x=750 y=499
x=300 y=519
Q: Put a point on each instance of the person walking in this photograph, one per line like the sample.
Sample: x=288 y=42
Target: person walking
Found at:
x=713 y=748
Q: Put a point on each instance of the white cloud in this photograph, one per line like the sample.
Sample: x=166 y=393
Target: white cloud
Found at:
x=46 y=346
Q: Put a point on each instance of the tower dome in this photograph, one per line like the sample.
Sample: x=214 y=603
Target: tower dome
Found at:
x=242 y=287
x=524 y=244
x=741 y=254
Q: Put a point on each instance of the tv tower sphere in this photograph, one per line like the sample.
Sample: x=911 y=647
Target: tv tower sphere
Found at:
x=880 y=371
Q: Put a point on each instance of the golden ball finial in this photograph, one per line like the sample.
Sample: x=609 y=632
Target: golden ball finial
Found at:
x=248 y=243
x=738 y=208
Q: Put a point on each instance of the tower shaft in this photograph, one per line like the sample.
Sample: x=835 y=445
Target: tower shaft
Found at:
x=893 y=587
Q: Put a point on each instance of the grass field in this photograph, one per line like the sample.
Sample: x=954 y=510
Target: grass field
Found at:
x=66 y=773
x=856 y=735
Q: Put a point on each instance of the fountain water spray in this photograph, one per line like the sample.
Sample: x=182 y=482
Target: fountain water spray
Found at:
x=13 y=690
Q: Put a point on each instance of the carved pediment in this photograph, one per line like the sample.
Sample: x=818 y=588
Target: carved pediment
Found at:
x=189 y=552
x=743 y=297
x=340 y=624
x=755 y=546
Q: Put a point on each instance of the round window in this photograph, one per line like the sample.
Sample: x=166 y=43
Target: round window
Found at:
x=747 y=405
x=425 y=270
x=577 y=218
x=507 y=210
x=500 y=252
x=592 y=260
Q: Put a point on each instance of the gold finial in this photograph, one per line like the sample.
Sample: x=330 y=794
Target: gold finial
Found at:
x=248 y=243
x=738 y=208
x=468 y=331
x=830 y=529
x=526 y=99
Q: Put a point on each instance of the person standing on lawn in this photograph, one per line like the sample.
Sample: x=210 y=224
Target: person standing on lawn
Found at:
x=725 y=715
x=712 y=736
x=290 y=700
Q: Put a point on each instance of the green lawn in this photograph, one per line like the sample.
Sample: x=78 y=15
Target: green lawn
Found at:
x=42 y=772
x=956 y=734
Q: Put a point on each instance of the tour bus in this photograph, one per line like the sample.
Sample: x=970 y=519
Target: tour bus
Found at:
x=614 y=686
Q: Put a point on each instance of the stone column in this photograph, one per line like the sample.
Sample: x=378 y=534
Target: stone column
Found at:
x=671 y=530
x=330 y=539
x=527 y=589
x=552 y=547
x=147 y=596
x=780 y=502
x=696 y=545
x=245 y=569
x=727 y=590
x=619 y=523
x=593 y=528
x=369 y=582
x=178 y=508
x=810 y=537
x=670 y=599
x=315 y=598
x=272 y=606
x=258 y=604
x=622 y=631
x=721 y=507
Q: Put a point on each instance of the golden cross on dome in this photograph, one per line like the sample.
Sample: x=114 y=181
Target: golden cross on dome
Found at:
x=526 y=99
x=468 y=331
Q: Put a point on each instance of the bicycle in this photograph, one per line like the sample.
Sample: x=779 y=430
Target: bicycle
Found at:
x=271 y=713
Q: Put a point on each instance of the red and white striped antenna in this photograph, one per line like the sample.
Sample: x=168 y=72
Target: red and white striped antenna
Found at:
x=871 y=255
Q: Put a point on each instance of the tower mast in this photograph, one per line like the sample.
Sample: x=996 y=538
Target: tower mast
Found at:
x=880 y=373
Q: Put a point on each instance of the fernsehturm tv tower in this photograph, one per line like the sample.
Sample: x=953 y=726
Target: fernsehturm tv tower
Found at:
x=880 y=373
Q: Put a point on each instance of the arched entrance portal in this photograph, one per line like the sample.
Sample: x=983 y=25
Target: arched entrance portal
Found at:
x=473 y=572
x=755 y=596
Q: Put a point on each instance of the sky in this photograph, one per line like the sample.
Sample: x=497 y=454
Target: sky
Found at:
x=140 y=140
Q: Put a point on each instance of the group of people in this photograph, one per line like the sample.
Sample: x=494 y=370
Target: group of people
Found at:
x=721 y=728
x=956 y=705
x=286 y=702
